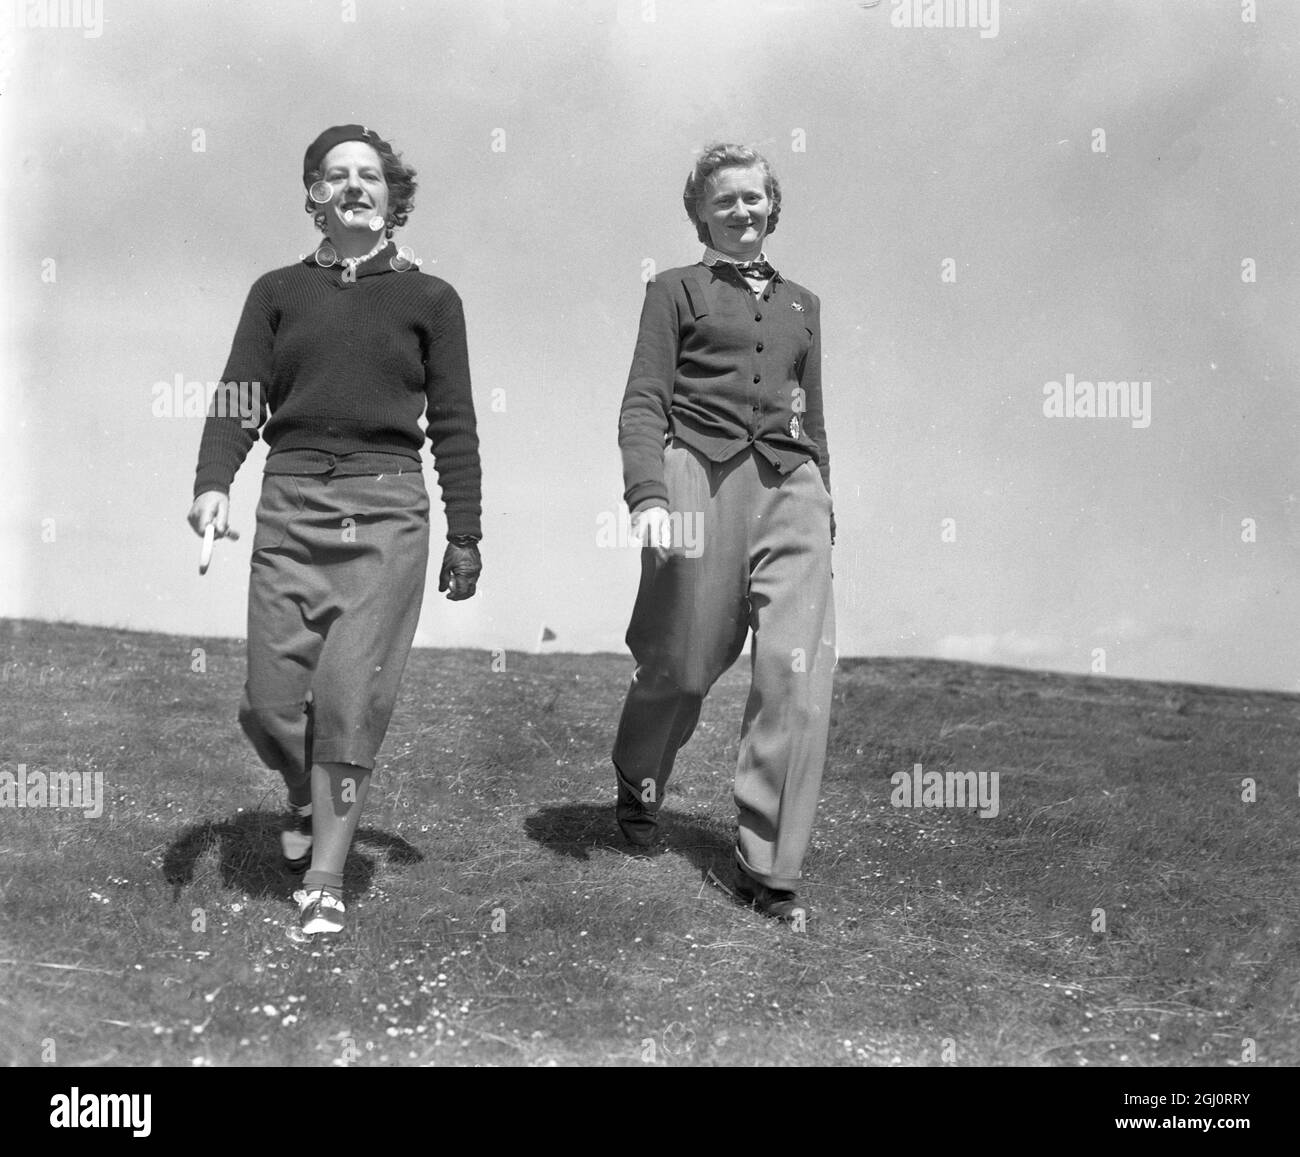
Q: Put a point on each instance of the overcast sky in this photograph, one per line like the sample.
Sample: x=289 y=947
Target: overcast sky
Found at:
x=1095 y=174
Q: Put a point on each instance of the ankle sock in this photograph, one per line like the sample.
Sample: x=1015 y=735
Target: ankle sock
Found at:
x=331 y=882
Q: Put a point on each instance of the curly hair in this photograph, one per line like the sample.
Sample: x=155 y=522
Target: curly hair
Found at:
x=400 y=178
x=728 y=156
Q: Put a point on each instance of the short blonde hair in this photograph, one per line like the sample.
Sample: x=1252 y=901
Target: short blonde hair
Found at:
x=728 y=156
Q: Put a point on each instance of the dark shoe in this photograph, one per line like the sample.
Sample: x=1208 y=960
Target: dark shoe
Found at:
x=774 y=902
x=295 y=839
x=638 y=822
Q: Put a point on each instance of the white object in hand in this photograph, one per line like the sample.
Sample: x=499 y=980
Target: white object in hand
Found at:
x=205 y=553
x=653 y=528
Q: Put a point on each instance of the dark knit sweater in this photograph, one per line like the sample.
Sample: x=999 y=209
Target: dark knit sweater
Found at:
x=725 y=371
x=347 y=366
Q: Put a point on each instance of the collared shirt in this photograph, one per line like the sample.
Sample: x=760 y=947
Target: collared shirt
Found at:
x=717 y=257
x=725 y=371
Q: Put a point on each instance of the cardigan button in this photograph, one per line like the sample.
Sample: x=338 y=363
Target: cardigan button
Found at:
x=759 y=347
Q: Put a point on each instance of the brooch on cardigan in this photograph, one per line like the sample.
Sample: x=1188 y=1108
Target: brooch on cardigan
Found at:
x=797 y=305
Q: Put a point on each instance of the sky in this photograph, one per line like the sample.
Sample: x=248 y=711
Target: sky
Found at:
x=1099 y=191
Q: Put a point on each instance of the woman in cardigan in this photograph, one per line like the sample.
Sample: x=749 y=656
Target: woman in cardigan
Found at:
x=727 y=477
x=341 y=354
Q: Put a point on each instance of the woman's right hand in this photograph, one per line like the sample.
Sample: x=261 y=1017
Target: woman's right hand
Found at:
x=212 y=506
x=652 y=527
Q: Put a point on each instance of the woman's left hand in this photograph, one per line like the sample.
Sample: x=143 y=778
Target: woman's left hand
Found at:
x=461 y=566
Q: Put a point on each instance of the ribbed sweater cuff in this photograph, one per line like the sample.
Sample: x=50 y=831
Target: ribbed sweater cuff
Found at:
x=209 y=479
x=643 y=494
x=463 y=523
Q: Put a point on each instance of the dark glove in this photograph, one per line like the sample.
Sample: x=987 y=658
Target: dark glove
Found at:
x=461 y=567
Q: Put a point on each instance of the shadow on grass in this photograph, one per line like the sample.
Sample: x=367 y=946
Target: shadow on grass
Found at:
x=575 y=830
x=248 y=851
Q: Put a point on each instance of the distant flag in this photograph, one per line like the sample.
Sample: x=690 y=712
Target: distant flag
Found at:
x=545 y=637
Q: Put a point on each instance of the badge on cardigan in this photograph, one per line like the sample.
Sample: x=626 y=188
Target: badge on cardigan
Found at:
x=794 y=427
x=797 y=305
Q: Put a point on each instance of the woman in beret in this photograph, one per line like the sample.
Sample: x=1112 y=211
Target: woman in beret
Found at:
x=727 y=477
x=341 y=354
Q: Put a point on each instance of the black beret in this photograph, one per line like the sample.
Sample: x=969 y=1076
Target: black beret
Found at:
x=320 y=147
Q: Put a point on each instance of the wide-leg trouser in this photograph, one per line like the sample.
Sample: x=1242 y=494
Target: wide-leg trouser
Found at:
x=760 y=561
x=337 y=579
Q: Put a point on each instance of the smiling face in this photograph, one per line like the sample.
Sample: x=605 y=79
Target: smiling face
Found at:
x=354 y=172
x=735 y=207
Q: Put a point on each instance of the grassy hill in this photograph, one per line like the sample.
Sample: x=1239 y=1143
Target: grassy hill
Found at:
x=1125 y=907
